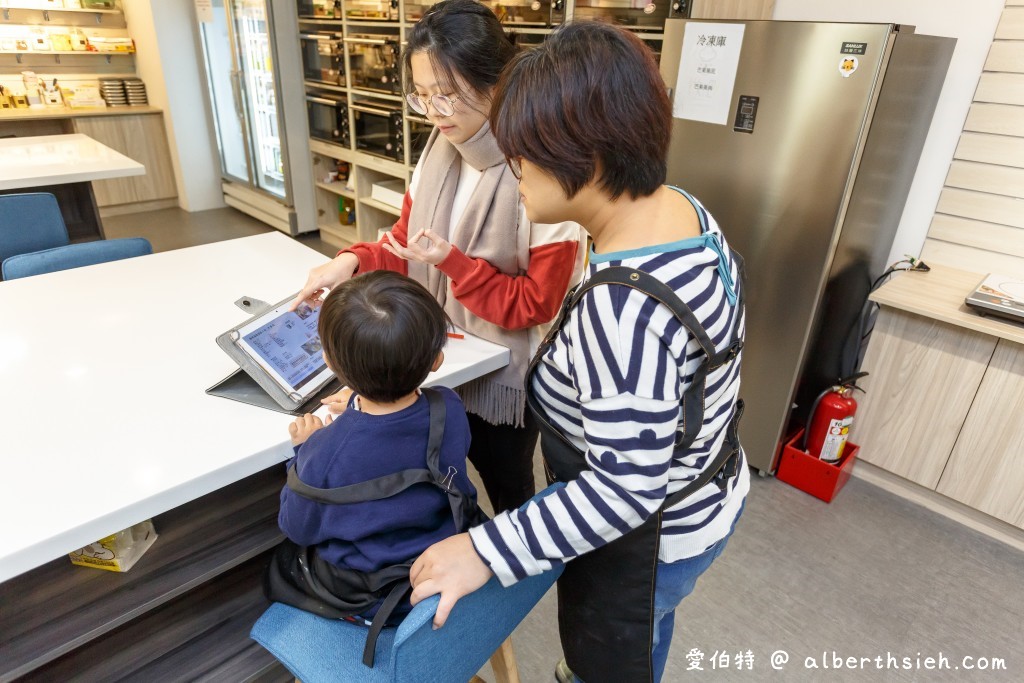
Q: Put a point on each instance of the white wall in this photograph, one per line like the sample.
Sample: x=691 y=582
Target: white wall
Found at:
x=973 y=24
x=169 y=59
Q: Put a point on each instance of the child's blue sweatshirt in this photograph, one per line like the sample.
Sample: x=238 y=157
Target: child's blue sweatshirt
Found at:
x=358 y=447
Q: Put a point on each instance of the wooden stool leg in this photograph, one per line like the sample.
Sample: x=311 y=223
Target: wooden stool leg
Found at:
x=503 y=662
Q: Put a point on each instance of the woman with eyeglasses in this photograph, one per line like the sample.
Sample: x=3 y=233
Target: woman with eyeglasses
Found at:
x=636 y=386
x=464 y=234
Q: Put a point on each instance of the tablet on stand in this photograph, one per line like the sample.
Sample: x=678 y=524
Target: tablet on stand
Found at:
x=281 y=366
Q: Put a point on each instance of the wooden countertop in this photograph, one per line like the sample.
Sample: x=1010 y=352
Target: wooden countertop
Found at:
x=69 y=113
x=940 y=294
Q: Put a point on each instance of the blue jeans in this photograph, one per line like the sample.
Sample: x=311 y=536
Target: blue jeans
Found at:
x=676 y=580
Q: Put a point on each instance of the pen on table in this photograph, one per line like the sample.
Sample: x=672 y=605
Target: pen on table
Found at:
x=456 y=335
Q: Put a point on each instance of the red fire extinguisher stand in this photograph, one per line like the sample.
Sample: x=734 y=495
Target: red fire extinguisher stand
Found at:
x=819 y=459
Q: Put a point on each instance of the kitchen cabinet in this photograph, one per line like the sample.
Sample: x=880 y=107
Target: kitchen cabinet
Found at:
x=140 y=137
x=986 y=468
x=926 y=368
x=945 y=394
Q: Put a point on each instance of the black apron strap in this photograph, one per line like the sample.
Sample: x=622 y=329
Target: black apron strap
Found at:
x=606 y=624
x=373 y=489
x=381 y=618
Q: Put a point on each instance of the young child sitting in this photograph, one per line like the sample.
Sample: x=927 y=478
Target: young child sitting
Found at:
x=372 y=489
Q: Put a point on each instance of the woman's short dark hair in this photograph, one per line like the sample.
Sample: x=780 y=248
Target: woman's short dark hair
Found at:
x=588 y=102
x=462 y=38
x=381 y=333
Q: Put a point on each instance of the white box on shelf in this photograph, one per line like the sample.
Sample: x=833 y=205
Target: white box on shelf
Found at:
x=390 y=192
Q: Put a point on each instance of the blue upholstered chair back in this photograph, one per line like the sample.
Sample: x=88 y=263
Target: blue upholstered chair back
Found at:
x=318 y=650
x=30 y=222
x=74 y=256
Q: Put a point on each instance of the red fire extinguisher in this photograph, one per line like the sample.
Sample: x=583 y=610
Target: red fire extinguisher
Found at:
x=831 y=418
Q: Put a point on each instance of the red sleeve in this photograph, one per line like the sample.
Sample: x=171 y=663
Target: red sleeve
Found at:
x=372 y=256
x=514 y=302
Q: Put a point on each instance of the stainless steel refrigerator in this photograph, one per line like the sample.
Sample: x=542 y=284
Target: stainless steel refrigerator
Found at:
x=254 y=80
x=806 y=163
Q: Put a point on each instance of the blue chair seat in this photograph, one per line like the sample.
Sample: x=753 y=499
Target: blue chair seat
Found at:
x=74 y=256
x=319 y=650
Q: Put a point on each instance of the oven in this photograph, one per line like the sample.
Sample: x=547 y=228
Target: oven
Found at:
x=419 y=130
x=639 y=15
x=528 y=13
x=372 y=10
x=374 y=64
x=328 y=118
x=378 y=128
x=323 y=57
x=414 y=9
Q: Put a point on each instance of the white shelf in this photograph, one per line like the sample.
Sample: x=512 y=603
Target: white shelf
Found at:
x=374 y=23
x=337 y=188
x=324 y=85
x=64 y=52
x=84 y=10
x=380 y=206
x=326 y=21
x=373 y=93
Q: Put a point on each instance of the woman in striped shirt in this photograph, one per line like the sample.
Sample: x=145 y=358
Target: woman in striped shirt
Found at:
x=636 y=388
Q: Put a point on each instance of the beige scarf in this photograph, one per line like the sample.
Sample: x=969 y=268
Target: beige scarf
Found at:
x=488 y=229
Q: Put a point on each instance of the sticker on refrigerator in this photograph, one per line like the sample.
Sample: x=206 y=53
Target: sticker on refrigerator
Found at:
x=707 y=71
x=746 y=112
x=847 y=65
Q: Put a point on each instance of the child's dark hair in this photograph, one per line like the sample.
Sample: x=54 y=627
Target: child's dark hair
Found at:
x=381 y=333
x=588 y=103
x=461 y=37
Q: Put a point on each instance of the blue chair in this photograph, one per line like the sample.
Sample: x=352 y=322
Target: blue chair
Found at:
x=29 y=222
x=318 y=650
x=74 y=256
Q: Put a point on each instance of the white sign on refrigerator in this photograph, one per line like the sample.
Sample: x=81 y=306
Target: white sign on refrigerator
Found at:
x=204 y=10
x=707 y=71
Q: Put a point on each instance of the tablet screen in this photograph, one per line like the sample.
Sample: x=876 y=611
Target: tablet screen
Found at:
x=286 y=344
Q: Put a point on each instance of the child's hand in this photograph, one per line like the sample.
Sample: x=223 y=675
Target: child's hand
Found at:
x=337 y=403
x=303 y=426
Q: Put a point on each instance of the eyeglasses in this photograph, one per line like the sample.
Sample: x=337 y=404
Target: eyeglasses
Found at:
x=443 y=104
x=516 y=166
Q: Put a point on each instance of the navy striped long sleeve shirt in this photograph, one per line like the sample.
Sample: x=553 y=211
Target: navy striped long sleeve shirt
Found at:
x=612 y=382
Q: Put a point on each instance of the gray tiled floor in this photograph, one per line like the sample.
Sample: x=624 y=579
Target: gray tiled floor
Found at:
x=866 y=576
x=168 y=229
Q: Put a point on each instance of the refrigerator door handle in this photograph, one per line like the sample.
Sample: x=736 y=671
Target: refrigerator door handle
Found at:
x=236 y=90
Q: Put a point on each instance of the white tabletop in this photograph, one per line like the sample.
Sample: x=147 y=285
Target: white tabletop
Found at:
x=58 y=159
x=104 y=368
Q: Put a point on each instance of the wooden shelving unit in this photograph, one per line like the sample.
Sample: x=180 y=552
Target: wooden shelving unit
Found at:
x=190 y=599
x=531 y=25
